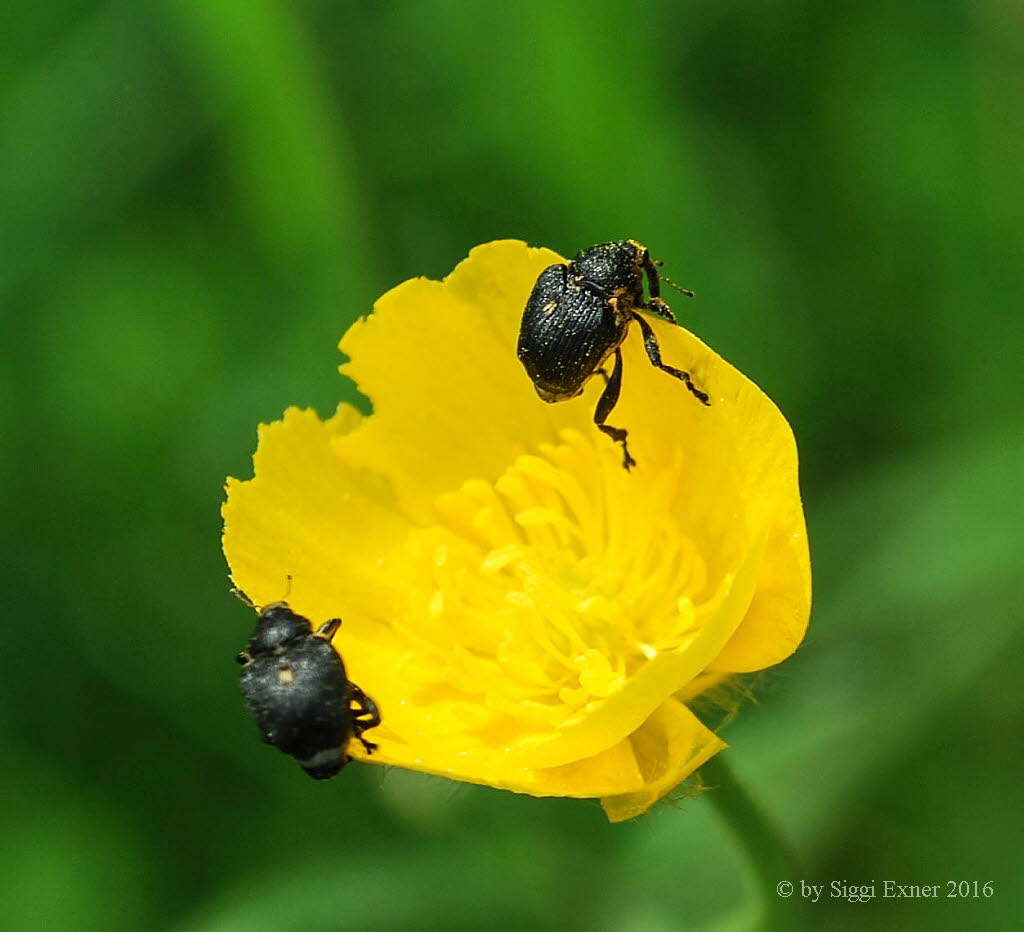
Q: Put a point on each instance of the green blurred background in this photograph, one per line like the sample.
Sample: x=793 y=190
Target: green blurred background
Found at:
x=198 y=197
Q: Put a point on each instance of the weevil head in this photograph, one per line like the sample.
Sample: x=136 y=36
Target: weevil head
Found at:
x=612 y=268
x=278 y=625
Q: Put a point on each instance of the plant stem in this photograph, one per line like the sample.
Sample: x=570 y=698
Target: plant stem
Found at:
x=769 y=856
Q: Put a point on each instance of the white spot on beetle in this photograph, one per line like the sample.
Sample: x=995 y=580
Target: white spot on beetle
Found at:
x=329 y=756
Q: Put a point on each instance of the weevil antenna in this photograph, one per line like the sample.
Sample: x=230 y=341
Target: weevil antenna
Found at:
x=243 y=598
x=678 y=287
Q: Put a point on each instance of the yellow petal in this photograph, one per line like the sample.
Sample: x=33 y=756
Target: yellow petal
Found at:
x=307 y=515
x=612 y=772
x=438 y=359
x=739 y=453
x=669 y=746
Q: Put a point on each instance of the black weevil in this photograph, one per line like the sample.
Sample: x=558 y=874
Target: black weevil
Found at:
x=577 y=316
x=295 y=686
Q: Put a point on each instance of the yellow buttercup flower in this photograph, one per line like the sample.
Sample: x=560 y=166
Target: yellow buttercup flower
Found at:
x=525 y=612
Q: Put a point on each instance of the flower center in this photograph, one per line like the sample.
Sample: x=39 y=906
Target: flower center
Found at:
x=549 y=588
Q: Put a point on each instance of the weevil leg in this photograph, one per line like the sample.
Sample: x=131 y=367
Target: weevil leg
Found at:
x=369 y=746
x=654 y=355
x=651 y=270
x=656 y=305
x=328 y=629
x=607 y=401
x=659 y=308
x=367 y=715
x=366 y=708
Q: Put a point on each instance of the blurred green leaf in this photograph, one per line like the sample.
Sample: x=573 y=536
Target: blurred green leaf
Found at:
x=916 y=577
x=466 y=888
x=290 y=156
x=71 y=858
x=84 y=128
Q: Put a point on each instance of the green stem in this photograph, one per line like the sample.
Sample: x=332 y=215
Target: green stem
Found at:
x=768 y=855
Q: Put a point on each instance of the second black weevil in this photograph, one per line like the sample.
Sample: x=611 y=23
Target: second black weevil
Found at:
x=295 y=686
x=577 y=316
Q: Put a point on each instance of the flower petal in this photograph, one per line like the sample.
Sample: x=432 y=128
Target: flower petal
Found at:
x=612 y=772
x=451 y=400
x=669 y=746
x=308 y=515
x=631 y=775
x=740 y=453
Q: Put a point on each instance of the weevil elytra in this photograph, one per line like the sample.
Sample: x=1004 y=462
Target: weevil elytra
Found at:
x=577 y=316
x=295 y=685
